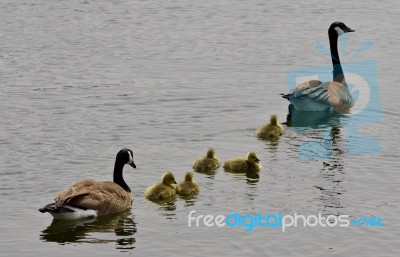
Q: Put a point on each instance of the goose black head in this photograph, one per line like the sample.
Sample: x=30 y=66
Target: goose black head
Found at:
x=126 y=156
x=339 y=28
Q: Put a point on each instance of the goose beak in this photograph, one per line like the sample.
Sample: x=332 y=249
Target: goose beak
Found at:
x=350 y=30
x=133 y=165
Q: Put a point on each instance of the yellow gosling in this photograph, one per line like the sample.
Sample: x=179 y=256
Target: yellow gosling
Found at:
x=250 y=164
x=188 y=186
x=162 y=190
x=207 y=163
x=272 y=130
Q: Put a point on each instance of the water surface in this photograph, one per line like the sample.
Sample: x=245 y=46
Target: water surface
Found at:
x=169 y=79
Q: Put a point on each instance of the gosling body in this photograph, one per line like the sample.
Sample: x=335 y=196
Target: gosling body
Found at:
x=271 y=130
x=187 y=187
x=163 y=190
x=249 y=164
x=207 y=163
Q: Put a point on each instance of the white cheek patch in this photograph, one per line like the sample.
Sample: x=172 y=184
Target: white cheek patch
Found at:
x=339 y=31
x=130 y=158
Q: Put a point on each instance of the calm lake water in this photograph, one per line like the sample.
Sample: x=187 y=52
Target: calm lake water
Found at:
x=82 y=79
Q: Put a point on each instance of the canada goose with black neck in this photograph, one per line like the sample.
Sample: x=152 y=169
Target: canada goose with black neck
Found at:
x=315 y=95
x=88 y=198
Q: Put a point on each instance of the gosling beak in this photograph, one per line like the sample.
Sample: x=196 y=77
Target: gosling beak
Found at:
x=133 y=165
x=350 y=30
x=174 y=182
x=257 y=160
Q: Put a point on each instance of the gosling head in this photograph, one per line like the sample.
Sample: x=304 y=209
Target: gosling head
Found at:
x=274 y=120
x=168 y=179
x=252 y=157
x=125 y=156
x=339 y=28
x=189 y=177
x=211 y=153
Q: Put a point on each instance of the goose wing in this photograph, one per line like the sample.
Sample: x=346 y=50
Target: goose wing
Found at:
x=104 y=197
x=333 y=93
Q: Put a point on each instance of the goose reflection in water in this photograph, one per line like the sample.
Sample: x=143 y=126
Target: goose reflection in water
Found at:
x=316 y=119
x=324 y=128
x=121 y=225
x=332 y=175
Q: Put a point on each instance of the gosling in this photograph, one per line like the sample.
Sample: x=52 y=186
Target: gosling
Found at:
x=162 y=190
x=187 y=187
x=272 y=130
x=207 y=163
x=250 y=164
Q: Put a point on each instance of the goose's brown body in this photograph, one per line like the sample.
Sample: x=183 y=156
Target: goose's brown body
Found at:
x=88 y=197
x=104 y=197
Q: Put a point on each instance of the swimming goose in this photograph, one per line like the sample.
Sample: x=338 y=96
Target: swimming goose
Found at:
x=250 y=164
x=207 y=163
x=89 y=198
x=271 y=130
x=188 y=186
x=162 y=190
x=314 y=95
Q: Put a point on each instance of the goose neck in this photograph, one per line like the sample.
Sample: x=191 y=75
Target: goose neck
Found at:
x=338 y=75
x=118 y=177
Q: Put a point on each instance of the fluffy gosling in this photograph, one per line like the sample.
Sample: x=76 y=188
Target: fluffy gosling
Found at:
x=207 y=163
x=272 y=130
x=162 y=190
x=250 y=164
x=188 y=186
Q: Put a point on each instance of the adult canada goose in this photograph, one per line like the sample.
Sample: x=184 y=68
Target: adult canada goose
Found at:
x=89 y=198
x=271 y=130
x=207 y=163
x=188 y=186
x=162 y=190
x=314 y=95
x=250 y=164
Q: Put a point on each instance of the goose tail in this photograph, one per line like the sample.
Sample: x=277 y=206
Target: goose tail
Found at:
x=67 y=212
x=286 y=96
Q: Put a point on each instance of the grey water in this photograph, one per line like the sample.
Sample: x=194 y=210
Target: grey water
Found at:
x=81 y=79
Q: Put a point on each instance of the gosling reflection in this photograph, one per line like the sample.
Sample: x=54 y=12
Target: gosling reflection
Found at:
x=251 y=177
x=209 y=174
x=120 y=224
x=190 y=200
x=167 y=208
